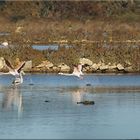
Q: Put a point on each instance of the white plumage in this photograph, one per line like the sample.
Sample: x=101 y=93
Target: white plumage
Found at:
x=17 y=72
x=77 y=71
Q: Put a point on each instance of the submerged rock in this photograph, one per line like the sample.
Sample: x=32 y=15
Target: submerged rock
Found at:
x=88 y=84
x=46 y=101
x=86 y=102
x=31 y=84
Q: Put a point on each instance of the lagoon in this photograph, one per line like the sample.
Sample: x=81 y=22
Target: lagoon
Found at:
x=45 y=107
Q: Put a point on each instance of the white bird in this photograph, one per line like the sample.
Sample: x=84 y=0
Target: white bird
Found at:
x=12 y=70
x=77 y=71
x=79 y=67
x=15 y=72
x=4 y=44
x=18 y=79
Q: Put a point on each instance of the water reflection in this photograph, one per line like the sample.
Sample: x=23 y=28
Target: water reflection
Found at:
x=12 y=99
x=82 y=94
x=116 y=108
x=78 y=95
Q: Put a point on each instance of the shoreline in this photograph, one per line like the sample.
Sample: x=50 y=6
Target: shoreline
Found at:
x=100 y=73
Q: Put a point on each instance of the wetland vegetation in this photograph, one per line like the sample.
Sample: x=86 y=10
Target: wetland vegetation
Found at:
x=102 y=31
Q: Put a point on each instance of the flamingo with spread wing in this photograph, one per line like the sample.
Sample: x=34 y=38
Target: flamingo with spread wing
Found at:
x=17 y=72
x=77 y=71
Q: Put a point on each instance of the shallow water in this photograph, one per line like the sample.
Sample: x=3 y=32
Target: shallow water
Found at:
x=45 y=106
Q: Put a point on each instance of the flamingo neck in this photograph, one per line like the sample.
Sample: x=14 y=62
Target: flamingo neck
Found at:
x=21 y=78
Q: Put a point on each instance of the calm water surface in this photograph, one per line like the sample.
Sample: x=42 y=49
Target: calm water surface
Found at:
x=115 y=114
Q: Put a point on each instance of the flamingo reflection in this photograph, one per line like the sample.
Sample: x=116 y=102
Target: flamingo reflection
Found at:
x=78 y=95
x=13 y=99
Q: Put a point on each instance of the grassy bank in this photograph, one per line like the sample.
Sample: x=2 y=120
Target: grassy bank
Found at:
x=108 y=42
x=108 y=31
x=111 y=54
x=43 y=31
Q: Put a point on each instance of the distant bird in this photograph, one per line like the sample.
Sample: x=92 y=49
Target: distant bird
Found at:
x=77 y=71
x=4 y=44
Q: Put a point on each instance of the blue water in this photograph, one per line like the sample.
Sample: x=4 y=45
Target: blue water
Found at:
x=25 y=114
x=50 y=47
x=45 y=47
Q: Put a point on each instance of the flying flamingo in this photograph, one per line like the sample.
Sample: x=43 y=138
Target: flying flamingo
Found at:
x=18 y=79
x=77 y=71
x=17 y=72
x=12 y=70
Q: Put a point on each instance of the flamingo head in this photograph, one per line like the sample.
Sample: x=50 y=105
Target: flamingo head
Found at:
x=22 y=72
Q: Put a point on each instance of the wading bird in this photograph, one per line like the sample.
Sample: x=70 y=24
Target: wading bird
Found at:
x=12 y=70
x=17 y=72
x=77 y=71
x=18 y=79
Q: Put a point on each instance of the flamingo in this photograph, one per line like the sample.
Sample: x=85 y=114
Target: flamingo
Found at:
x=14 y=71
x=77 y=71
x=17 y=72
x=18 y=79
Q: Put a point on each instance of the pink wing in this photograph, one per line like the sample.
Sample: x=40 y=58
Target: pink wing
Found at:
x=75 y=70
x=8 y=64
x=79 y=67
x=21 y=66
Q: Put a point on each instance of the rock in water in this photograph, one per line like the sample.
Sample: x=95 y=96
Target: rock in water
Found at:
x=46 y=101
x=88 y=84
x=31 y=84
x=86 y=102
